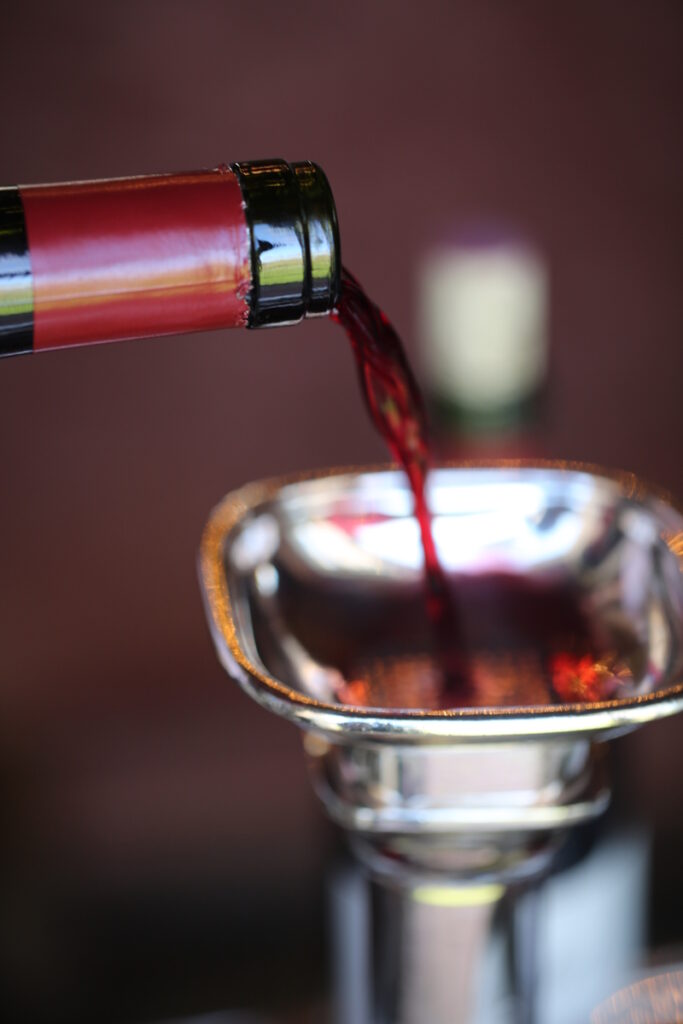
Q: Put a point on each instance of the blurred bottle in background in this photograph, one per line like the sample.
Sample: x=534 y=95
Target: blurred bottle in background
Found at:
x=483 y=301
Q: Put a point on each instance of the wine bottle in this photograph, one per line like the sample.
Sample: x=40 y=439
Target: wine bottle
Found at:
x=483 y=301
x=252 y=244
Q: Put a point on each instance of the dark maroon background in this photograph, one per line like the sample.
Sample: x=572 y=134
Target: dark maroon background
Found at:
x=155 y=822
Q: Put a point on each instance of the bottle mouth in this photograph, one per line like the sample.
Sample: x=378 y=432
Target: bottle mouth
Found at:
x=295 y=249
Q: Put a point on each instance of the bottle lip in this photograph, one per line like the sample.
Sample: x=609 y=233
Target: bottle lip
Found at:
x=294 y=235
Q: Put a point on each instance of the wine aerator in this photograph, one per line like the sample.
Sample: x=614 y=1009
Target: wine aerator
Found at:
x=313 y=589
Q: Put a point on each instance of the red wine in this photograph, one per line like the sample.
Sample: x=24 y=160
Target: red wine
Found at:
x=395 y=404
x=528 y=642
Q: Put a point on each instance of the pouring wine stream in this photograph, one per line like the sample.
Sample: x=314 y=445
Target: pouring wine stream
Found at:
x=393 y=399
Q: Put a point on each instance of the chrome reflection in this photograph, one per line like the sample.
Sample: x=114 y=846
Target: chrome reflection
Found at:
x=654 y=1000
x=320 y=563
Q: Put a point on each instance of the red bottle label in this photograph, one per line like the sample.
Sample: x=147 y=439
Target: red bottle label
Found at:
x=135 y=257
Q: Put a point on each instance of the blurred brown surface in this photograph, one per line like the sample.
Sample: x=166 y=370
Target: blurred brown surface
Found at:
x=131 y=764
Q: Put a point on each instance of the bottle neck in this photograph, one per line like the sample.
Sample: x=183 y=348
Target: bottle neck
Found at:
x=294 y=241
x=251 y=245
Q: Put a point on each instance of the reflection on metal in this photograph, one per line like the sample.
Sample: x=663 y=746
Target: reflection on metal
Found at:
x=605 y=533
x=654 y=1000
x=457 y=896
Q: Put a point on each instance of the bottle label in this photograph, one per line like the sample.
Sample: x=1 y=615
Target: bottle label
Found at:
x=136 y=257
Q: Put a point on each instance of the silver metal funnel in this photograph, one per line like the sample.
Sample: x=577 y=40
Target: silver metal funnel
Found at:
x=315 y=600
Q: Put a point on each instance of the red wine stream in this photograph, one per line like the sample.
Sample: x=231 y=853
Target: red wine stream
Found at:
x=551 y=623
x=395 y=405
